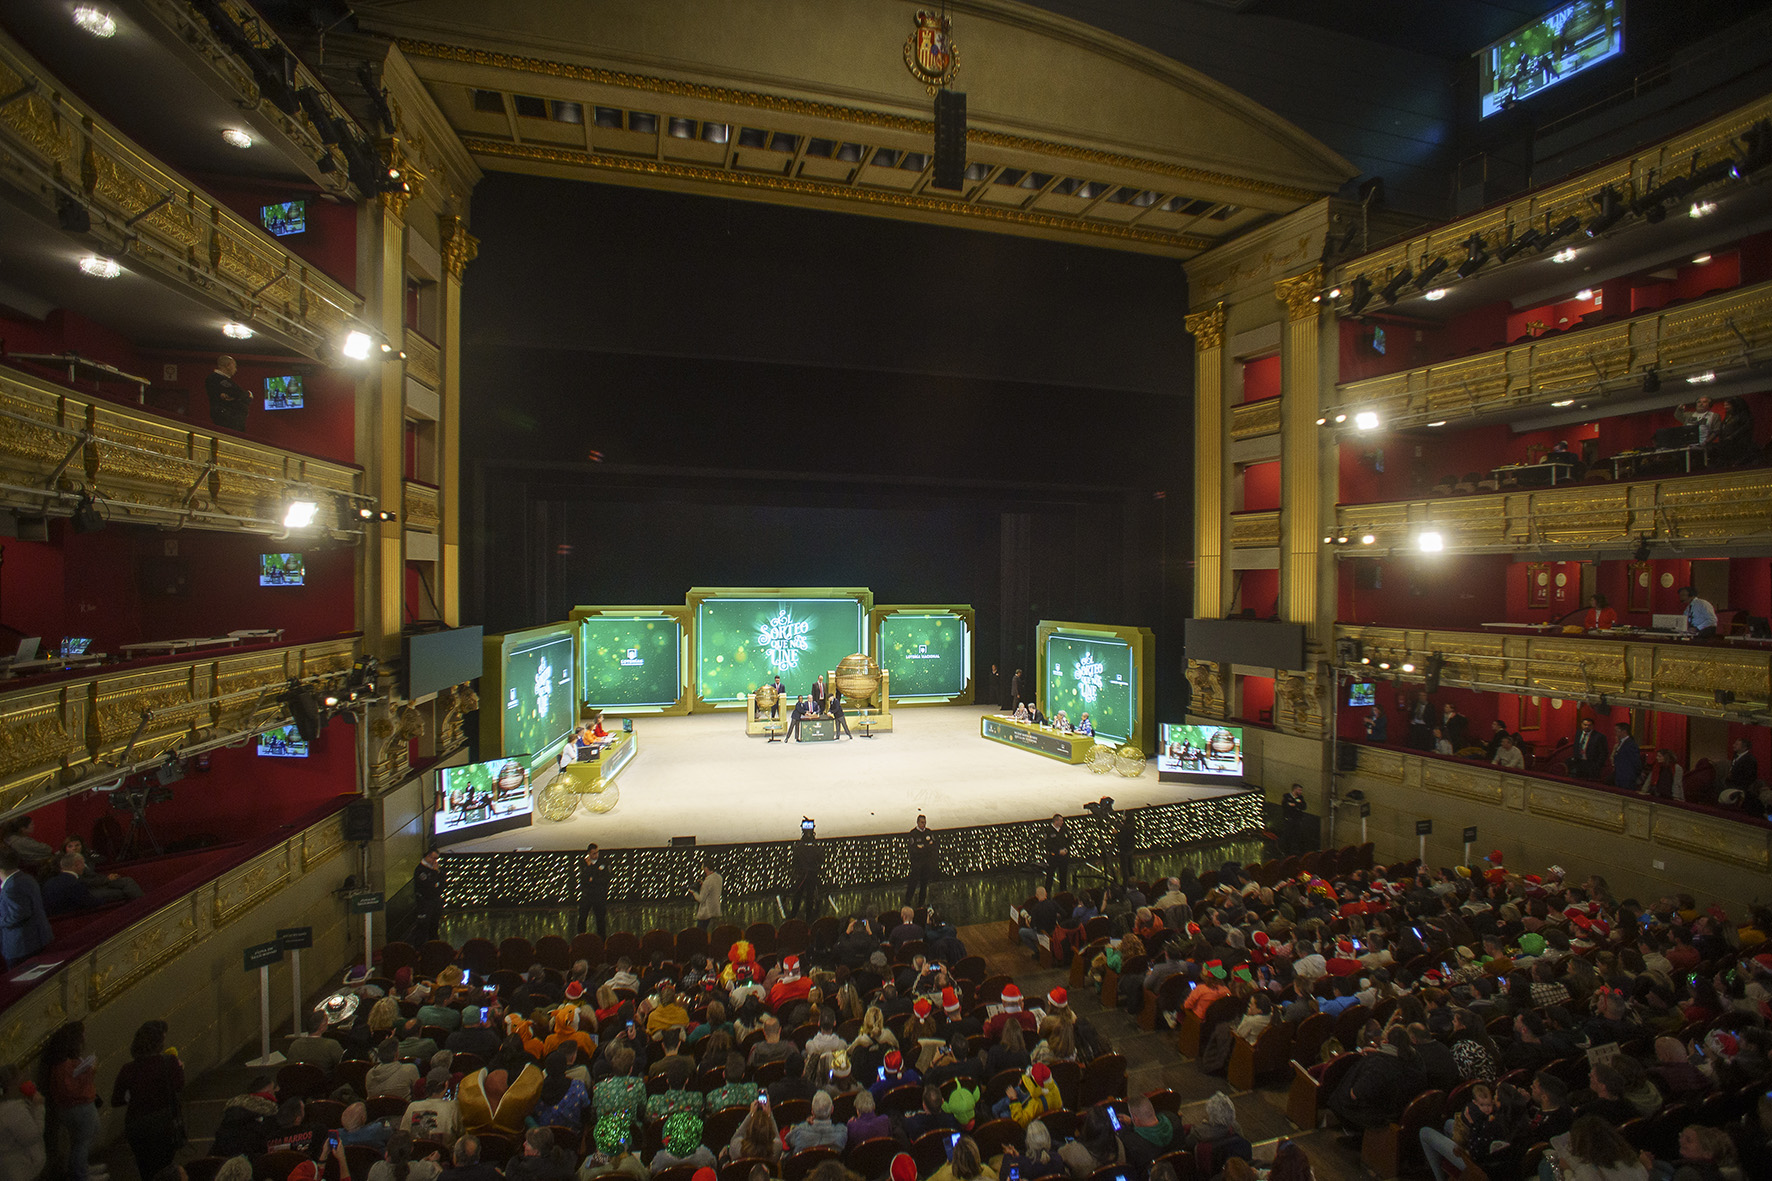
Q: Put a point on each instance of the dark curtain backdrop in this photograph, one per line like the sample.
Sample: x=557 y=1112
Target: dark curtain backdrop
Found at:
x=663 y=391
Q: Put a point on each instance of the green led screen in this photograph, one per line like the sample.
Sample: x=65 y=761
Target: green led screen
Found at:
x=1084 y=674
x=741 y=643
x=539 y=707
x=629 y=661
x=928 y=653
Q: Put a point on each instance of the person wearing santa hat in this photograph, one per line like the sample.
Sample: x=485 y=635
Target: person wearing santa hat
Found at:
x=789 y=985
x=1011 y=1011
x=894 y=1072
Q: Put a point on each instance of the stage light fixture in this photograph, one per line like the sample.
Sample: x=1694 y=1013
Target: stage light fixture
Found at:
x=304 y=710
x=356 y=345
x=1322 y=422
x=1757 y=150
x=365 y=513
x=1340 y=418
x=1704 y=378
x=1476 y=254
x=1701 y=209
x=1408 y=667
x=1385 y=665
x=1335 y=293
x=1367 y=539
x=1361 y=296
x=384 y=515
x=96 y=21
x=1561 y=230
x=299 y=514
x=87 y=518
x=100 y=268
x=1611 y=210
x=1341 y=541
x=1393 y=290
x=1640 y=551
x=1436 y=295
x=72 y=216
x=1366 y=420
x=1435 y=662
x=1651 y=381
x=235 y=138
x=1513 y=246
x=1566 y=254
x=1442 y=422
x=236 y=331
x=1563 y=403
x=1585 y=293
x=1429 y=271
x=1430 y=543
x=1699 y=260
x=1365 y=660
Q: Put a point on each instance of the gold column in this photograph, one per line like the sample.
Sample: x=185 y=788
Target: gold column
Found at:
x=1300 y=492
x=459 y=249
x=1207 y=328
x=384 y=456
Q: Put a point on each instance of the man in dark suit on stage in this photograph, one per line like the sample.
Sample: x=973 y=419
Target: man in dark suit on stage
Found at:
x=1589 y=756
x=818 y=695
x=800 y=710
x=1015 y=688
x=922 y=850
x=808 y=860
x=834 y=707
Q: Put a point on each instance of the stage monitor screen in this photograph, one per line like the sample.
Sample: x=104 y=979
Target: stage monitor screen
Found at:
x=539 y=706
x=482 y=798
x=285 y=218
x=741 y=643
x=283 y=393
x=1363 y=694
x=1204 y=752
x=285 y=742
x=281 y=570
x=436 y=660
x=630 y=661
x=928 y=653
x=1552 y=49
x=1090 y=675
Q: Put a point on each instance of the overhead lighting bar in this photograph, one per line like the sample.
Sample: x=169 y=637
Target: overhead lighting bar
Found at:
x=234 y=137
x=100 y=268
x=96 y=21
x=235 y=331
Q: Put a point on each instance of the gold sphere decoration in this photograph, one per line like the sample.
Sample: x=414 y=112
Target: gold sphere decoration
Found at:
x=1101 y=759
x=1129 y=761
x=556 y=802
x=579 y=778
x=765 y=698
x=603 y=799
x=858 y=678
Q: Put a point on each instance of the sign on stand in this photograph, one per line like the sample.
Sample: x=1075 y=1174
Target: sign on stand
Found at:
x=294 y=940
x=366 y=903
x=1424 y=829
x=260 y=957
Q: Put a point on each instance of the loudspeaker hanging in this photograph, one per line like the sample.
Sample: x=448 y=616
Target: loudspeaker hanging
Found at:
x=950 y=140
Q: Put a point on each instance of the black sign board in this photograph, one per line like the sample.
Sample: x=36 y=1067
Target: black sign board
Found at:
x=1424 y=828
x=1470 y=834
x=295 y=938
x=368 y=902
x=1365 y=809
x=262 y=955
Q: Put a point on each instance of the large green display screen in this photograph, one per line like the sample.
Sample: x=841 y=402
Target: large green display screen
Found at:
x=539 y=705
x=1085 y=674
x=744 y=642
x=927 y=653
x=629 y=661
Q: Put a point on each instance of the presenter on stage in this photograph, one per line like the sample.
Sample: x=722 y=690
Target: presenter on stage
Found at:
x=923 y=852
x=593 y=890
x=1016 y=687
x=707 y=896
x=800 y=710
x=780 y=693
x=808 y=862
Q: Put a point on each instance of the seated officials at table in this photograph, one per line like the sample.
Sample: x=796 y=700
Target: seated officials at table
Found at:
x=1021 y=711
x=1600 y=616
x=1034 y=715
x=1085 y=726
x=1701 y=617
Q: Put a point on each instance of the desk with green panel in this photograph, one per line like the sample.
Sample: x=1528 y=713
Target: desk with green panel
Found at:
x=1041 y=740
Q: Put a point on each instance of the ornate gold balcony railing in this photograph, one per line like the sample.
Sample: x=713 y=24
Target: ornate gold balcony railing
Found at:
x=55 y=737
x=1255 y=530
x=1717 y=332
x=49 y=141
x=150 y=470
x=1251 y=420
x=421 y=506
x=1708 y=143
x=1717 y=509
x=422 y=361
x=1683 y=678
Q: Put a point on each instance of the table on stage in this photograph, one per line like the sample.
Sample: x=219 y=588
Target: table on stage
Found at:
x=818 y=729
x=1041 y=740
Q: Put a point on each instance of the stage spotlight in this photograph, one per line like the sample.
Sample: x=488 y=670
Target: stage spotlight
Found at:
x=96 y=21
x=1366 y=420
x=299 y=514
x=1436 y=295
x=1561 y=230
x=87 y=518
x=387 y=516
x=1362 y=295
x=1408 y=667
x=1476 y=254
x=356 y=345
x=71 y=215
x=1566 y=254
x=1393 y=290
x=1640 y=551
x=1651 y=381
x=1513 y=246
x=1435 y=662
x=1757 y=150
x=1367 y=539
x=1430 y=543
x=1385 y=665
x=1611 y=209
x=1429 y=271
x=365 y=513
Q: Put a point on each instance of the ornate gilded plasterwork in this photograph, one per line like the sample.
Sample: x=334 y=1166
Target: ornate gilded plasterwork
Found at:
x=1207 y=327
x=1301 y=293
x=1251 y=420
x=1255 y=530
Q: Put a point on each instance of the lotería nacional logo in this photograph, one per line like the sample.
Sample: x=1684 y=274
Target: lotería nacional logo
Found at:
x=633 y=659
x=929 y=52
x=784 y=638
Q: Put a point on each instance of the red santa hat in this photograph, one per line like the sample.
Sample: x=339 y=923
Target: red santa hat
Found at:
x=1261 y=938
x=1011 y=997
x=1494 y=857
x=1058 y=998
x=904 y=1168
x=574 y=990
x=1344 y=947
x=1193 y=928
x=922 y=1008
x=894 y=1061
x=790 y=968
x=950 y=1001
x=1040 y=1072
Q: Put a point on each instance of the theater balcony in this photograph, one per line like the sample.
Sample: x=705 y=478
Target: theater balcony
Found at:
x=67 y=167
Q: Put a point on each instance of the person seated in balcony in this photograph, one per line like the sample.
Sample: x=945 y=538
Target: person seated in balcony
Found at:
x=65 y=891
x=1743 y=767
x=1378 y=727
x=1699 y=424
x=106 y=887
x=1589 y=756
x=1666 y=777
x=1734 y=444
x=1421 y=725
x=1701 y=617
x=1600 y=615
x=1507 y=755
x=228 y=402
x=1454 y=726
x=1442 y=744
x=21 y=838
x=1497 y=733
x=1627 y=760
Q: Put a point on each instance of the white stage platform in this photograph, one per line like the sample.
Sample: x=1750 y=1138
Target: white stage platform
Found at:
x=700 y=776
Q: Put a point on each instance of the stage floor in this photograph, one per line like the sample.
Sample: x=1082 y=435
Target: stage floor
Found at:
x=701 y=776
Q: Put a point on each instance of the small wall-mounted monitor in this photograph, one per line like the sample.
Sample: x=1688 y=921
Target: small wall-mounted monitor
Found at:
x=1378 y=341
x=285 y=218
x=283 y=393
x=1554 y=48
x=281 y=570
x=285 y=742
x=1363 y=694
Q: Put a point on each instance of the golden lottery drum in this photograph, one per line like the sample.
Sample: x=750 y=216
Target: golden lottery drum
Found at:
x=765 y=697
x=1101 y=759
x=603 y=799
x=858 y=677
x=580 y=778
x=556 y=802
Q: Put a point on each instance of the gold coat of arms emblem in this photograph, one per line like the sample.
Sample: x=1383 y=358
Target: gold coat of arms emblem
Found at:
x=929 y=52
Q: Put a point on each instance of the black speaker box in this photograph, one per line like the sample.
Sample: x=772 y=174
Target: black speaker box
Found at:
x=1347 y=757
x=950 y=140
x=359 y=821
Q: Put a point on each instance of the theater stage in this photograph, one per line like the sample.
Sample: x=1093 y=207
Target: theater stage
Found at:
x=700 y=776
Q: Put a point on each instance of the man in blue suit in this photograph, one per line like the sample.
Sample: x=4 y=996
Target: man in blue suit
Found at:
x=65 y=892
x=24 y=928
x=1627 y=760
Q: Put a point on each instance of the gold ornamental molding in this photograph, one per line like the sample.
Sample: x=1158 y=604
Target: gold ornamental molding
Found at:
x=421 y=506
x=1472 y=783
x=1207 y=327
x=246 y=887
x=1209 y=683
x=1590 y=809
x=1250 y=420
x=138 y=951
x=800 y=186
x=1716 y=840
x=459 y=247
x=1587 y=363
x=322 y=843
x=1255 y=530
x=422 y=361
x=858 y=116
x=1302 y=294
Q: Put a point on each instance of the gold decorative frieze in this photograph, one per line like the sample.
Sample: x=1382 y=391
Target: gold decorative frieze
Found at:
x=328 y=658
x=422 y=363
x=459 y=247
x=1250 y=420
x=1255 y=530
x=1209 y=688
x=145 y=713
x=322 y=843
x=26 y=1025
x=1588 y=363
x=421 y=509
x=244 y=888
x=143 y=947
x=1472 y=783
x=1714 y=839
x=1378 y=762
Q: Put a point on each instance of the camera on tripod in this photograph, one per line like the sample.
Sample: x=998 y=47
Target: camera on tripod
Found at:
x=1103 y=807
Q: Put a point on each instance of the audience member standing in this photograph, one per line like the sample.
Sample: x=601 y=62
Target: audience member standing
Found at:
x=921 y=847
x=24 y=926
x=148 y=1088
x=593 y=890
